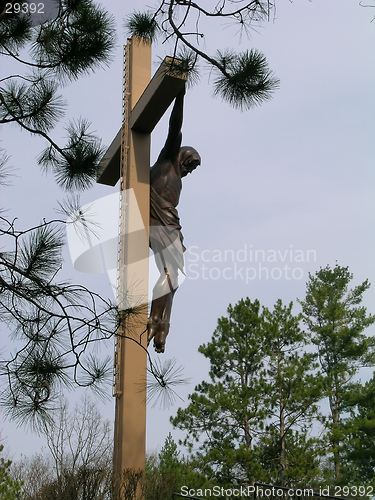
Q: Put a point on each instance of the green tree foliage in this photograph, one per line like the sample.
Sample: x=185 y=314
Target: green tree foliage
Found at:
x=169 y=456
x=336 y=320
x=301 y=466
x=9 y=488
x=359 y=459
x=294 y=388
x=163 y=472
x=167 y=472
x=242 y=79
x=250 y=422
x=79 y=39
x=227 y=413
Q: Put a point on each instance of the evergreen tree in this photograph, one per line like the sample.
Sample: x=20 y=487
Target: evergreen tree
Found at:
x=169 y=456
x=9 y=489
x=336 y=321
x=226 y=415
x=359 y=459
x=294 y=387
x=302 y=466
x=168 y=472
x=259 y=403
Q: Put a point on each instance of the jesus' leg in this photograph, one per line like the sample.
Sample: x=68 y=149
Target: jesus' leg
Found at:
x=159 y=320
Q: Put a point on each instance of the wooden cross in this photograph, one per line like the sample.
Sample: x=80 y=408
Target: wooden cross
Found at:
x=128 y=158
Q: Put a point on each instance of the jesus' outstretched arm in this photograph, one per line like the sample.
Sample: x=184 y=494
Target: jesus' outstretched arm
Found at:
x=172 y=145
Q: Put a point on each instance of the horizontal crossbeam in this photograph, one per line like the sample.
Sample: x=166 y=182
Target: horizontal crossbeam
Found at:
x=155 y=100
x=109 y=166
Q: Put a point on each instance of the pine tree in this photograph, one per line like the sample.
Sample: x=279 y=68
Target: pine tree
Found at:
x=359 y=458
x=251 y=420
x=336 y=321
x=226 y=415
x=294 y=388
x=168 y=472
x=9 y=488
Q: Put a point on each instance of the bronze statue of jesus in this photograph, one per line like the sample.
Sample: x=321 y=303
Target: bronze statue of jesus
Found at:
x=166 y=240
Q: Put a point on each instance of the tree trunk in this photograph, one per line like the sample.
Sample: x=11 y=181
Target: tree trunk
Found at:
x=282 y=457
x=248 y=440
x=335 y=440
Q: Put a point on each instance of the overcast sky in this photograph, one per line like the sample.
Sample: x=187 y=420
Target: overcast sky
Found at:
x=283 y=189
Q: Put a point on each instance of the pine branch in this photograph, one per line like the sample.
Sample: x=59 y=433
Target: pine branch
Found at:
x=15 y=31
x=75 y=166
x=57 y=324
x=142 y=25
x=243 y=79
x=78 y=40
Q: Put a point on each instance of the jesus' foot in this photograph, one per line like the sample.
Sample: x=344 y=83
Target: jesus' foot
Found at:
x=152 y=328
x=160 y=336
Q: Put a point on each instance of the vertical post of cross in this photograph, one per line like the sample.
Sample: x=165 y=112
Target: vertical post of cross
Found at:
x=128 y=159
x=131 y=362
